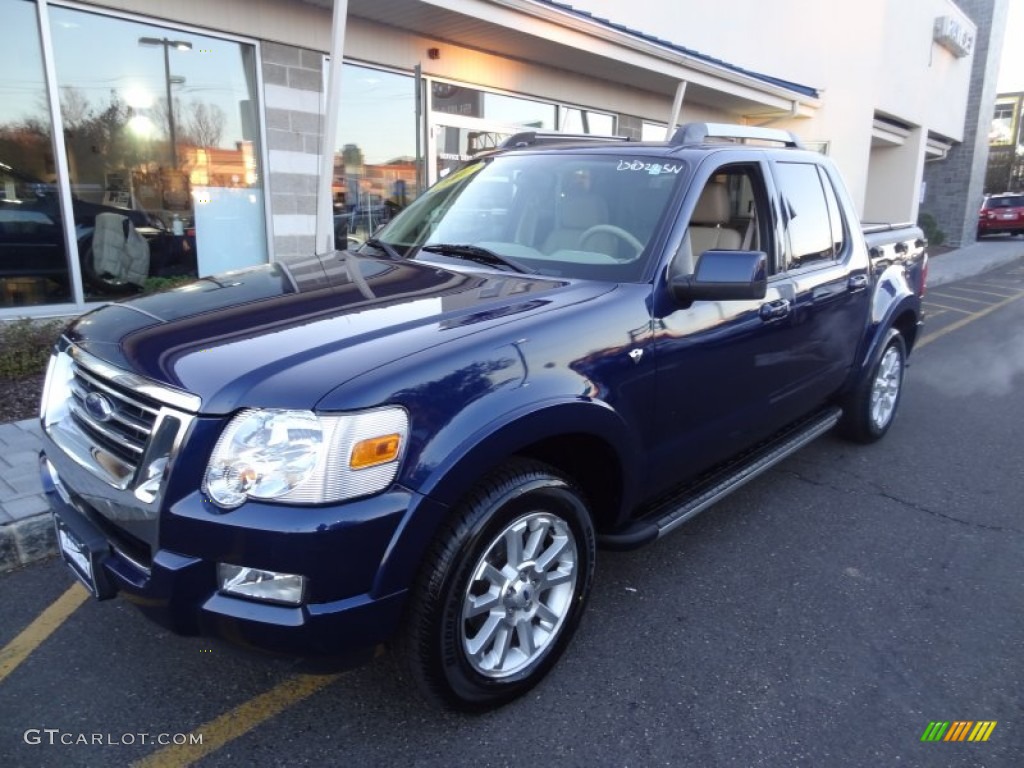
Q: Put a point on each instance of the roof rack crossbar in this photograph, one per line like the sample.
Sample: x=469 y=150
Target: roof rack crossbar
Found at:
x=531 y=138
x=698 y=133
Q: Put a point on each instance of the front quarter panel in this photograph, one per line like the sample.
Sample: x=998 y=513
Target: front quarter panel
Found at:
x=567 y=372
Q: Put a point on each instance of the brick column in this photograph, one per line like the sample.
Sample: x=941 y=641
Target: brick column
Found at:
x=955 y=186
x=292 y=88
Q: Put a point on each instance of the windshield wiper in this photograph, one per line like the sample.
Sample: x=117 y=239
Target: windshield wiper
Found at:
x=380 y=245
x=474 y=253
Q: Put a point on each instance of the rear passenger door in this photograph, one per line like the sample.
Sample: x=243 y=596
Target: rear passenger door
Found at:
x=830 y=296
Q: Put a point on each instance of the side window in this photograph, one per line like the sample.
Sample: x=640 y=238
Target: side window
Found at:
x=807 y=215
x=731 y=214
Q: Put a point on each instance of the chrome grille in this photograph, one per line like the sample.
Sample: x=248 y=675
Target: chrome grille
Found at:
x=125 y=429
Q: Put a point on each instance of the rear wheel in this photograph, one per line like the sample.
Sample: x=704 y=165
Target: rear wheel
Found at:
x=869 y=411
x=502 y=591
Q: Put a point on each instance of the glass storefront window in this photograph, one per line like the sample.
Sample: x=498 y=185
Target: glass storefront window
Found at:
x=1002 y=124
x=451 y=99
x=375 y=162
x=515 y=111
x=33 y=255
x=162 y=140
x=652 y=131
x=572 y=120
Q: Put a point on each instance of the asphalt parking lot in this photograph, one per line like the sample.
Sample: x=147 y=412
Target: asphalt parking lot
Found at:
x=950 y=306
x=825 y=615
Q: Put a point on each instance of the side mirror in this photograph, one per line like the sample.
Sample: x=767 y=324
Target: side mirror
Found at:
x=724 y=276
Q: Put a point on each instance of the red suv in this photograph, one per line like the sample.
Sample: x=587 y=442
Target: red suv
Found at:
x=1001 y=213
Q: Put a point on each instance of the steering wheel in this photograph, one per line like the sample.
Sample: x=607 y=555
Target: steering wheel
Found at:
x=611 y=229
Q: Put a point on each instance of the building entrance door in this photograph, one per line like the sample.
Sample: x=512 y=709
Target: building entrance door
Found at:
x=453 y=139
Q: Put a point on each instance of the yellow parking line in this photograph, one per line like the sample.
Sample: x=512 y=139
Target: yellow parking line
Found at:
x=958 y=298
x=988 y=293
x=239 y=721
x=929 y=303
x=992 y=284
x=41 y=628
x=929 y=338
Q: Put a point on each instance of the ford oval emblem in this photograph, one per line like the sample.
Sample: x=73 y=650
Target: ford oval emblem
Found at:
x=99 y=406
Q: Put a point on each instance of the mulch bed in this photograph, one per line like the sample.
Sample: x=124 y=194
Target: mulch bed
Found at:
x=19 y=398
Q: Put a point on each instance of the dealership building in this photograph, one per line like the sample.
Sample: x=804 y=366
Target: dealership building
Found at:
x=149 y=139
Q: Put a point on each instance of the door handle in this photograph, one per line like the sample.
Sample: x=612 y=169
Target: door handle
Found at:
x=857 y=283
x=774 y=310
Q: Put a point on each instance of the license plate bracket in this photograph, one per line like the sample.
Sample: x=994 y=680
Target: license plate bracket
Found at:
x=84 y=549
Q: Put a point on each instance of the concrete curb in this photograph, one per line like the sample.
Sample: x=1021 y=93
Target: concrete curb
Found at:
x=26 y=530
x=26 y=541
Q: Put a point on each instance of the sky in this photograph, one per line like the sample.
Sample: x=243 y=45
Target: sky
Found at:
x=1011 y=68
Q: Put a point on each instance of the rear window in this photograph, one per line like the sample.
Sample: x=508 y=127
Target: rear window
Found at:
x=1010 y=201
x=814 y=225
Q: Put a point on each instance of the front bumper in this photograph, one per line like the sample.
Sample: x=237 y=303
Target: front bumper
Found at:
x=341 y=549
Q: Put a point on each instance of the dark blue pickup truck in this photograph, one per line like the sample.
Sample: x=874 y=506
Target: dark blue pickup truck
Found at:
x=563 y=344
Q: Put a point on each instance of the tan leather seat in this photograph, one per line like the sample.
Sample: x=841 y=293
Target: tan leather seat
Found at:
x=118 y=250
x=576 y=214
x=708 y=229
x=709 y=224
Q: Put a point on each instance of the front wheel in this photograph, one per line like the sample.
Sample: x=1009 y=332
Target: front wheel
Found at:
x=502 y=591
x=869 y=411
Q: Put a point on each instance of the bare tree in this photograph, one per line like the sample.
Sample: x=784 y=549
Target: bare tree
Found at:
x=203 y=124
x=75 y=108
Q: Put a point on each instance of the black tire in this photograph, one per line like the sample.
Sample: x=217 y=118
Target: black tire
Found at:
x=526 y=608
x=870 y=409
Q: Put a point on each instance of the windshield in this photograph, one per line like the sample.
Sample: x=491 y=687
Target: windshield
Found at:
x=573 y=215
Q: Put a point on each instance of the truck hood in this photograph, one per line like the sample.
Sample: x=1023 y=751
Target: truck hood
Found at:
x=285 y=334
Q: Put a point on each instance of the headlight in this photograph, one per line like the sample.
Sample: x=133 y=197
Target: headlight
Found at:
x=305 y=458
x=57 y=389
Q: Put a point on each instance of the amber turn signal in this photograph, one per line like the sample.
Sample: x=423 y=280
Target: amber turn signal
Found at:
x=374 y=451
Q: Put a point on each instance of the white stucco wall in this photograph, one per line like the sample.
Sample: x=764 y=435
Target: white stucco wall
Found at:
x=874 y=56
x=919 y=80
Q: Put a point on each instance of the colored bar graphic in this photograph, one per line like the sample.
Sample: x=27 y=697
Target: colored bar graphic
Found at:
x=958 y=730
x=982 y=730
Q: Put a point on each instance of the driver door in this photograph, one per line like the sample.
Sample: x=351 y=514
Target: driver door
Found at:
x=723 y=366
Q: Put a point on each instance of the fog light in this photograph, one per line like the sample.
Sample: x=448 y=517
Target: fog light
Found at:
x=269 y=586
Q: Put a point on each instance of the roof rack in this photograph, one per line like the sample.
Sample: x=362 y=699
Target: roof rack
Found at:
x=699 y=133
x=532 y=138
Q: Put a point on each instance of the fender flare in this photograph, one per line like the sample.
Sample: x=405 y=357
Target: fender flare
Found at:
x=486 y=446
x=893 y=297
x=446 y=482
